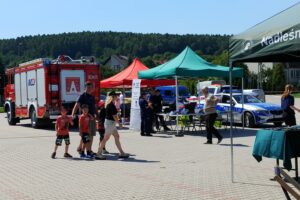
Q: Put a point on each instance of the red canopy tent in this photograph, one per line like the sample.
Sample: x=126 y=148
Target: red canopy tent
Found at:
x=125 y=77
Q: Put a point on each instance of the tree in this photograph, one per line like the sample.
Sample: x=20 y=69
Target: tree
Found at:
x=221 y=59
x=278 y=80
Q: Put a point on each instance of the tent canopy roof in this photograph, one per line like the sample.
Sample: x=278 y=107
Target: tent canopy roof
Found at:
x=125 y=77
x=277 y=39
x=188 y=64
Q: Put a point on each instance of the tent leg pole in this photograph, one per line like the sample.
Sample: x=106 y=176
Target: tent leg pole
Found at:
x=243 y=103
x=231 y=120
x=176 y=90
x=123 y=107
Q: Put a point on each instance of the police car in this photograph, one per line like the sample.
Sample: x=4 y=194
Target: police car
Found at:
x=254 y=111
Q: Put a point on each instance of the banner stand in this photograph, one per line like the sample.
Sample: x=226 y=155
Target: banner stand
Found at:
x=135 y=113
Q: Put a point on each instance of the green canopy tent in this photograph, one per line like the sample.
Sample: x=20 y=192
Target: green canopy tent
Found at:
x=277 y=39
x=189 y=64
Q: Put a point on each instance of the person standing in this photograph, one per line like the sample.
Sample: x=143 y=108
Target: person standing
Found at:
x=111 y=119
x=122 y=105
x=87 y=98
x=156 y=100
x=287 y=104
x=84 y=131
x=62 y=132
x=101 y=120
x=210 y=116
x=118 y=106
x=145 y=120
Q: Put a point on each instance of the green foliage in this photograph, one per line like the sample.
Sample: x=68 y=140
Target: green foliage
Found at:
x=107 y=72
x=296 y=95
x=160 y=47
x=278 y=78
x=1 y=110
x=221 y=59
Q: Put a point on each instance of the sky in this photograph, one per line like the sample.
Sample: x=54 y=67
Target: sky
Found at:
x=33 y=17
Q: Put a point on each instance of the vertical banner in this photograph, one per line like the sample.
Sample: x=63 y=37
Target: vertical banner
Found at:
x=135 y=115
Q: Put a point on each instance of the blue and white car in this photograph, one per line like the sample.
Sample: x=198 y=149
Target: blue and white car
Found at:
x=254 y=111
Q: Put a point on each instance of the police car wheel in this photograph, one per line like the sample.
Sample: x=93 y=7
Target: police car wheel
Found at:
x=249 y=120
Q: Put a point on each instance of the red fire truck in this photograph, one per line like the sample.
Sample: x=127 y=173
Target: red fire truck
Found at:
x=37 y=89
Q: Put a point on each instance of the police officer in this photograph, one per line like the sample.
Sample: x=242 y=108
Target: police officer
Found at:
x=146 y=116
x=156 y=100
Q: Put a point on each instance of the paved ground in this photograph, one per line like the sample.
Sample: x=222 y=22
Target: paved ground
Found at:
x=162 y=167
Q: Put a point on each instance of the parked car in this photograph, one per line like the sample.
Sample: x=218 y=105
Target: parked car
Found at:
x=102 y=98
x=168 y=94
x=259 y=93
x=253 y=113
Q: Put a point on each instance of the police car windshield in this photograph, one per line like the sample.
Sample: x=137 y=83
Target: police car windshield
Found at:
x=183 y=92
x=247 y=99
x=211 y=90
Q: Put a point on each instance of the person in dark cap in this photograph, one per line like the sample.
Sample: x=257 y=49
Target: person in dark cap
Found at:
x=146 y=116
x=111 y=119
x=87 y=98
x=157 y=100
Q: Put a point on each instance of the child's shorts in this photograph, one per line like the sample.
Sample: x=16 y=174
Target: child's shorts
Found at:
x=60 y=138
x=85 y=137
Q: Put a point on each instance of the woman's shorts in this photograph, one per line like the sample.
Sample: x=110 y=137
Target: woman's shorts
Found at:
x=110 y=127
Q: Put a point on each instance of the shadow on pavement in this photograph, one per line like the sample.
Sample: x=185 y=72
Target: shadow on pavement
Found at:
x=27 y=137
x=111 y=157
x=235 y=145
x=257 y=184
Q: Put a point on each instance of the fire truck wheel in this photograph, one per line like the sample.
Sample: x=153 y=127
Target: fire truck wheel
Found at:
x=11 y=115
x=34 y=120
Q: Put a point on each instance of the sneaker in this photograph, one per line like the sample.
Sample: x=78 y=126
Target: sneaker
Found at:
x=208 y=142
x=100 y=157
x=125 y=155
x=220 y=140
x=53 y=155
x=149 y=134
x=105 y=151
x=66 y=155
x=142 y=134
x=90 y=156
x=82 y=155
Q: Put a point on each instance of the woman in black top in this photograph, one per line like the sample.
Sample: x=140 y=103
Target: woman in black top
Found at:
x=287 y=104
x=111 y=119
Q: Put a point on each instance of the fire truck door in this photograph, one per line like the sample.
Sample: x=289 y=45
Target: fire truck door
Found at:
x=18 y=89
x=41 y=86
x=24 y=95
x=72 y=84
x=31 y=85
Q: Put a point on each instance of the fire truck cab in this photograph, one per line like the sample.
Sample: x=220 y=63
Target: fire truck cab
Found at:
x=37 y=89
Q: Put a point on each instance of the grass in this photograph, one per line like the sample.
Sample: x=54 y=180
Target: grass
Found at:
x=296 y=95
x=1 y=110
